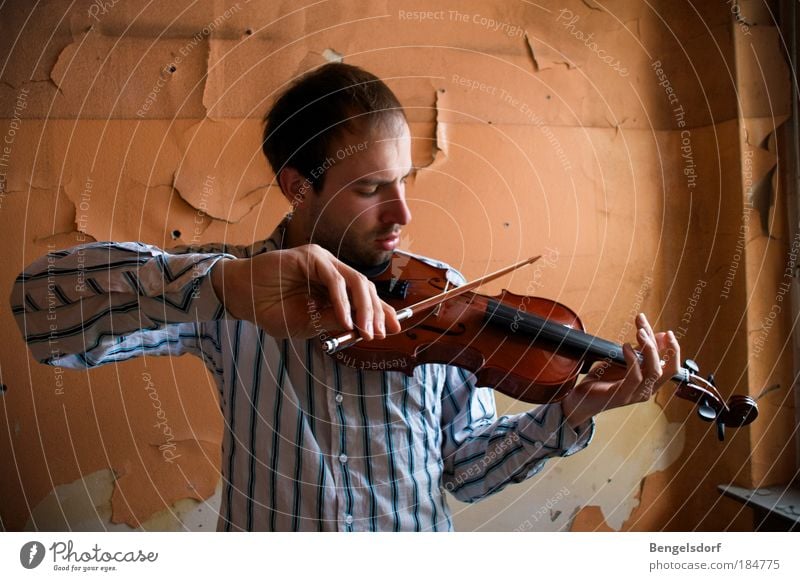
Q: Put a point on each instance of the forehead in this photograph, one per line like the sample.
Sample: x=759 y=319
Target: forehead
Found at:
x=384 y=145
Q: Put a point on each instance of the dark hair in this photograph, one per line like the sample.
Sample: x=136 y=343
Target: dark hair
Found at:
x=316 y=109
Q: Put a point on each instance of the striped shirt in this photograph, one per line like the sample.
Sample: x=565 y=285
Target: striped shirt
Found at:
x=309 y=444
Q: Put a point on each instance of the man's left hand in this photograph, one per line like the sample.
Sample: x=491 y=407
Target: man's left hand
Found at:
x=609 y=386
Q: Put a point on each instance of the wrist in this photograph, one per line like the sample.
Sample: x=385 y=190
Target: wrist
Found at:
x=572 y=411
x=221 y=281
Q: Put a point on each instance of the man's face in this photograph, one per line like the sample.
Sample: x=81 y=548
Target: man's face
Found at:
x=360 y=210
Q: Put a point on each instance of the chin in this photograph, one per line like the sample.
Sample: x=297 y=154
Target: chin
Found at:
x=382 y=256
x=379 y=258
x=370 y=258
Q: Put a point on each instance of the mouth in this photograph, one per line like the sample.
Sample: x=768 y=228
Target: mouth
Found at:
x=388 y=242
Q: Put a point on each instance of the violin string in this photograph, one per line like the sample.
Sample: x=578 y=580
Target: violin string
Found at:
x=460 y=290
x=351 y=338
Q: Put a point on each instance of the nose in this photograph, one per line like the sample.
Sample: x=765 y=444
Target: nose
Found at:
x=394 y=209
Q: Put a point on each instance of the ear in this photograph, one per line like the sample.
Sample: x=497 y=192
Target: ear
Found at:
x=294 y=186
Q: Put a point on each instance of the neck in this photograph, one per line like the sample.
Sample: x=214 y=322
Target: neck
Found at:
x=295 y=233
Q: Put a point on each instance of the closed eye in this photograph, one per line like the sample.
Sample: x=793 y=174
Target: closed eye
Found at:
x=377 y=186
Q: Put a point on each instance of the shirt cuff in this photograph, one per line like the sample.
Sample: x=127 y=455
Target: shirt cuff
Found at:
x=205 y=302
x=547 y=430
x=575 y=439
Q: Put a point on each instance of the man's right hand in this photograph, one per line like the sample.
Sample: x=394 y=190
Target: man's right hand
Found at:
x=302 y=292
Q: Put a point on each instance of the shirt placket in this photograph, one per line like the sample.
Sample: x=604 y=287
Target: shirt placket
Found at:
x=341 y=469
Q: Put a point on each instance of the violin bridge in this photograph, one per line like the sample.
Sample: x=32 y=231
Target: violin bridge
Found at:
x=438 y=308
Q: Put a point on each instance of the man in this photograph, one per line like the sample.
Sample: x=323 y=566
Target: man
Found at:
x=310 y=444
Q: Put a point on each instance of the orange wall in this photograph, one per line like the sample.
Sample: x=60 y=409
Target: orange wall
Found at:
x=640 y=158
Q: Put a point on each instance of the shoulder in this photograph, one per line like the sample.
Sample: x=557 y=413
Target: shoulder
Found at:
x=453 y=275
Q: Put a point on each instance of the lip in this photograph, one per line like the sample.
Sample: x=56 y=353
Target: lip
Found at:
x=388 y=242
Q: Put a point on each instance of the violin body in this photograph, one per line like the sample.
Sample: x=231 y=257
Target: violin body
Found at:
x=456 y=333
x=530 y=348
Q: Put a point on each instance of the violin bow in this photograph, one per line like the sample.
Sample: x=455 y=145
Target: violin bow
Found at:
x=345 y=340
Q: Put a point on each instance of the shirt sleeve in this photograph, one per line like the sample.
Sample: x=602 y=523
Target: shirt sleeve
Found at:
x=105 y=302
x=483 y=453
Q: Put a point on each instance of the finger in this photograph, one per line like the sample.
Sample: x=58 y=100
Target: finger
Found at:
x=606 y=370
x=641 y=334
x=643 y=323
x=664 y=347
x=327 y=325
x=378 y=316
x=633 y=370
x=633 y=374
x=361 y=296
x=340 y=280
x=390 y=318
x=651 y=366
x=599 y=369
x=662 y=341
x=336 y=286
x=673 y=360
x=670 y=350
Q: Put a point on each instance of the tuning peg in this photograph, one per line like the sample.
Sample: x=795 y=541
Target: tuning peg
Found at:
x=711 y=379
x=720 y=431
x=691 y=365
x=706 y=412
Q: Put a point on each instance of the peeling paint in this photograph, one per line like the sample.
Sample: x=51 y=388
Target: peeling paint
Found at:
x=82 y=505
x=545 y=58
x=230 y=184
x=589 y=519
x=332 y=56
x=592 y=5
x=659 y=448
x=441 y=143
x=532 y=52
x=85 y=505
x=759 y=164
x=148 y=172
x=66 y=58
x=768 y=389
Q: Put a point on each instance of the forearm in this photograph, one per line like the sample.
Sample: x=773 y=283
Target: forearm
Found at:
x=85 y=298
x=575 y=414
x=511 y=449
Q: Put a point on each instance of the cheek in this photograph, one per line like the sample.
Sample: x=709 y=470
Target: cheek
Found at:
x=361 y=213
x=369 y=220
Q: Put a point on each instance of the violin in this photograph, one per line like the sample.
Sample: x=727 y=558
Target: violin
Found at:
x=529 y=348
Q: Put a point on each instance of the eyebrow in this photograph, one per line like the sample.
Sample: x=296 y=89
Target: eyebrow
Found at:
x=377 y=182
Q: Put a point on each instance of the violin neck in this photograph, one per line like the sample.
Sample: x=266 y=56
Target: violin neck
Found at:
x=559 y=336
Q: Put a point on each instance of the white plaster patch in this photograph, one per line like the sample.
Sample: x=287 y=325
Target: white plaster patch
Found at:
x=85 y=505
x=629 y=444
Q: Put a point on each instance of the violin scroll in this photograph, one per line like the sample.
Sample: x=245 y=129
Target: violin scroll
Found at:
x=711 y=407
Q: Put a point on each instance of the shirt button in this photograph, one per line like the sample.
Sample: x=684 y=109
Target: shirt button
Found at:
x=348 y=519
x=342 y=458
x=339 y=398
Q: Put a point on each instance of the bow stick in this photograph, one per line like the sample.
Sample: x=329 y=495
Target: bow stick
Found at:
x=345 y=340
